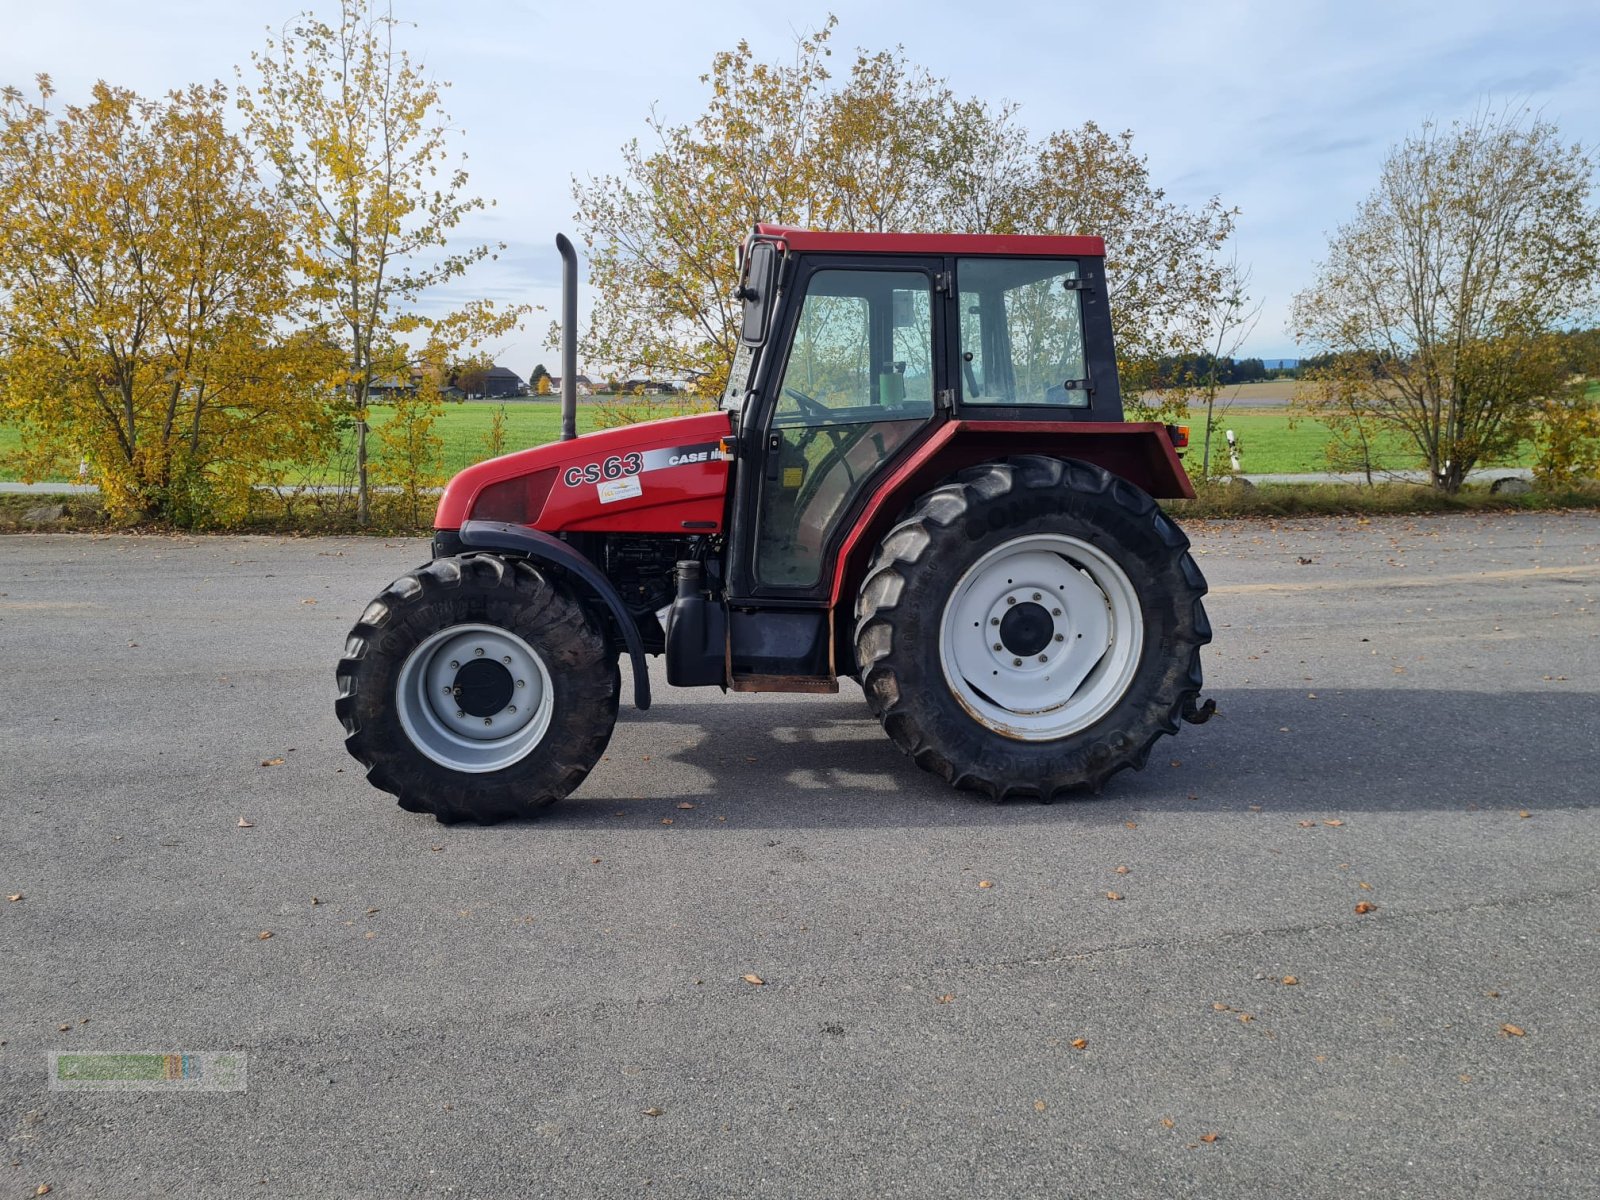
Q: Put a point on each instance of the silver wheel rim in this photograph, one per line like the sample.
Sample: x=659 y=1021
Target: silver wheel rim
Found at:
x=1071 y=607
x=426 y=699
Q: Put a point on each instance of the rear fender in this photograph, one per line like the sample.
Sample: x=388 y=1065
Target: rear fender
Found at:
x=542 y=547
x=1140 y=452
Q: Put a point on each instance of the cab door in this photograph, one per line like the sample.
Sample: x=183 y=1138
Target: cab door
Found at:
x=857 y=381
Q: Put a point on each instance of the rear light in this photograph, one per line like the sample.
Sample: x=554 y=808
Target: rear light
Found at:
x=1179 y=435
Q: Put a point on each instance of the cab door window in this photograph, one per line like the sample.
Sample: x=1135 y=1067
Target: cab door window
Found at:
x=858 y=382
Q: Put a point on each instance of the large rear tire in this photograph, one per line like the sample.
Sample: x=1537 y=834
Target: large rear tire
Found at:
x=475 y=689
x=1031 y=628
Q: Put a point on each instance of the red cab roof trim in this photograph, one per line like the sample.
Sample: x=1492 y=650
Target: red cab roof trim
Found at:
x=1044 y=246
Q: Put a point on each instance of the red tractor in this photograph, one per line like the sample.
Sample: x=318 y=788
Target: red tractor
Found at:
x=919 y=478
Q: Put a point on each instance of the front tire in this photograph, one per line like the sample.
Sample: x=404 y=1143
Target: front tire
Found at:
x=475 y=689
x=1031 y=628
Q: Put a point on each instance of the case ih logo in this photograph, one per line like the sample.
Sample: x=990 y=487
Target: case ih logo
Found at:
x=620 y=466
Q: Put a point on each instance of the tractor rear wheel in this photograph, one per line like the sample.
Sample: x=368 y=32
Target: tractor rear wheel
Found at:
x=475 y=689
x=1031 y=628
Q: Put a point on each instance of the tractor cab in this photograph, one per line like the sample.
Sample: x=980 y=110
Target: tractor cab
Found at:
x=918 y=477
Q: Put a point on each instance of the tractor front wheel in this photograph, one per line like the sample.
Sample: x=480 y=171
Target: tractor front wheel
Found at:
x=475 y=689
x=1031 y=628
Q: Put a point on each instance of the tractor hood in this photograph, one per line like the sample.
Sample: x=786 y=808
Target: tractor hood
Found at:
x=666 y=476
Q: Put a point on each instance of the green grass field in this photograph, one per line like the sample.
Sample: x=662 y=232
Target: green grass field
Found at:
x=1272 y=442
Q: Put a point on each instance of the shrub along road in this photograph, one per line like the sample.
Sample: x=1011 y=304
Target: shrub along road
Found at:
x=954 y=998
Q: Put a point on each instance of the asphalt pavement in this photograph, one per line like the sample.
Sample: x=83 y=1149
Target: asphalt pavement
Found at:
x=1166 y=990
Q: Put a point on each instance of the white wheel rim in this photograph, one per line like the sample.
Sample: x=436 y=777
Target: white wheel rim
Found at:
x=432 y=712
x=1069 y=632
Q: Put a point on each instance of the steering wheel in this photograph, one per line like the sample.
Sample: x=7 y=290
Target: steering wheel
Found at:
x=812 y=408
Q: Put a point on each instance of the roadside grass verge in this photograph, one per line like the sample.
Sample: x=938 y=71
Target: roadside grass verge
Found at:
x=1274 y=441
x=312 y=515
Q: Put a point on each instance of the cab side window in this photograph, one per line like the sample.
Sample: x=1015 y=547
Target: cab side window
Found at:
x=1021 y=332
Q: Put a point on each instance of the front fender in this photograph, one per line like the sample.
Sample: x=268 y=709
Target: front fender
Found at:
x=543 y=547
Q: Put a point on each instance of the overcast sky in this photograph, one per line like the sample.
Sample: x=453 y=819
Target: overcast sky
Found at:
x=1283 y=109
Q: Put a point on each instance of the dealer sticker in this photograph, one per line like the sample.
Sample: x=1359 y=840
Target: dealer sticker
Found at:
x=613 y=490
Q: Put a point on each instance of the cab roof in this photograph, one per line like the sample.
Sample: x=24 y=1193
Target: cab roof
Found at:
x=971 y=244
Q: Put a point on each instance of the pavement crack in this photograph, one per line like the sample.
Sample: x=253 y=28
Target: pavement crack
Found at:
x=1495 y=904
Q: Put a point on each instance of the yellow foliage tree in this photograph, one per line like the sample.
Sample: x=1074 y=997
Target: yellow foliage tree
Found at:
x=355 y=132
x=143 y=279
x=889 y=147
x=1438 y=298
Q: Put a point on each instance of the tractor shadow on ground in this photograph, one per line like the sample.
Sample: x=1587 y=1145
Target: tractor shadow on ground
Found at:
x=825 y=762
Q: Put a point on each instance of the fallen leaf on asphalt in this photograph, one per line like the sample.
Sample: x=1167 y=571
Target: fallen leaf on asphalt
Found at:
x=755 y=980
x=436 y=849
x=947 y=998
x=985 y=883
x=263 y=935
x=1290 y=981
x=1130 y=825
x=594 y=860
x=1113 y=895
x=666 y=820
x=14 y=897
x=1524 y=814
x=1492 y=995
x=243 y=824
x=1335 y=822
x=1122 y=870
x=63 y=1028
x=42 y=1190
x=1167 y=1122
x=1364 y=907
x=315 y=902
x=1080 y=1043
x=1464 y=1078
x=1219 y=1006
x=1208 y=1138
x=652 y=1112
x=1245 y=1018
x=1308 y=824
x=1039 y=1106
x=370 y=911
x=272 y=762
x=1364 y=886
x=685 y=805
x=1513 y=1031
x=1177 y=762
x=370 y=935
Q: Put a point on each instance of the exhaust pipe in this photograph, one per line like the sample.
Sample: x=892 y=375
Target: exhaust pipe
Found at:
x=569 y=338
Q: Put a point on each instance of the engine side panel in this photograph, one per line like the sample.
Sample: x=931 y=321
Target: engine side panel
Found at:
x=666 y=476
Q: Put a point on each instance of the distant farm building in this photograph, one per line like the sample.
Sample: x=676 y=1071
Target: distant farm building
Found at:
x=500 y=382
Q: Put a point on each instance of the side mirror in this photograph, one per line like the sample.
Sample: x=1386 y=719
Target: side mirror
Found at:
x=760 y=278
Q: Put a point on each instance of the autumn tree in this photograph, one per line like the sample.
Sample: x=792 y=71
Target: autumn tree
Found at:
x=886 y=147
x=144 y=283
x=356 y=134
x=1438 y=298
x=470 y=376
